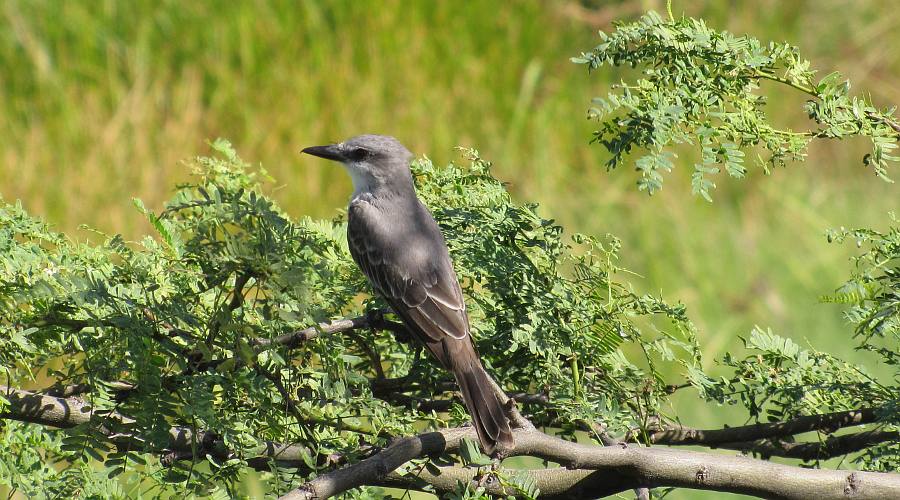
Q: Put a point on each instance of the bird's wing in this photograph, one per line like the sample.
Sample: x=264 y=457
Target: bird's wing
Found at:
x=426 y=295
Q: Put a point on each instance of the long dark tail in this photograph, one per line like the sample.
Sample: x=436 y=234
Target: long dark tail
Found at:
x=485 y=408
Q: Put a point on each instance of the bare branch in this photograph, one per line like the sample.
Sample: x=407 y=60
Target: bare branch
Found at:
x=834 y=446
x=828 y=423
x=293 y=339
x=555 y=483
x=607 y=439
x=377 y=467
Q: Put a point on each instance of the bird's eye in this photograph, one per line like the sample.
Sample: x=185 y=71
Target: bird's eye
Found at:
x=359 y=154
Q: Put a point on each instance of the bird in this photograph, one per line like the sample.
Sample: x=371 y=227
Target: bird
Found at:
x=399 y=247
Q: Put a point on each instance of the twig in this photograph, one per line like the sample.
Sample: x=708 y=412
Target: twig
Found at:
x=293 y=409
x=374 y=357
x=65 y=391
x=237 y=294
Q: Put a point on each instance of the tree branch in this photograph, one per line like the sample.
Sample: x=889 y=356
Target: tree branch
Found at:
x=834 y=446
x=65 y=391
x=64 y=413
x=637 y=472
x=393 y=390
x=755 y=438
x=828 y=423
x=291 y=340
x=374 y=319
x=601 y=470
x=622 y=468
x=555 y=483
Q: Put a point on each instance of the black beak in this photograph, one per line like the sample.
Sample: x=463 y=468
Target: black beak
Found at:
x=329 y=152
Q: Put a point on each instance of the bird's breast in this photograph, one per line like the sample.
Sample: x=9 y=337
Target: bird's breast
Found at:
x=397 y=232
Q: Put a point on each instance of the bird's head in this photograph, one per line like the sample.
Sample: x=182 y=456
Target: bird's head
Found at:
x=371 y=160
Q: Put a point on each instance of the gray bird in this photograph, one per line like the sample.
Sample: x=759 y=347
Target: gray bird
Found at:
x=399 y=247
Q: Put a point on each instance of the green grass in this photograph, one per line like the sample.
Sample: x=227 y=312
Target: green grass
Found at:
x=101 y=101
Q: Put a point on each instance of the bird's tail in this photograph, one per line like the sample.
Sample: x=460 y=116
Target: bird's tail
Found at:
x=485 y=407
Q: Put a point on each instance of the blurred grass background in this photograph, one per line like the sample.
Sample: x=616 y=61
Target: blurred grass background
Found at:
x=101 y=100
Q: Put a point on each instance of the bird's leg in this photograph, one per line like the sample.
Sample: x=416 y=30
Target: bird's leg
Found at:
x=376 y=319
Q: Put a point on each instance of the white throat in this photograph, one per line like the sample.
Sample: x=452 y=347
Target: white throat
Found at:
x=362 y=181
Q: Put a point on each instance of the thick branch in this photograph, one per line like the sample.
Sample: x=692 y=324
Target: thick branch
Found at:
x=377 y=467
x=625 y=468
x=555 y=483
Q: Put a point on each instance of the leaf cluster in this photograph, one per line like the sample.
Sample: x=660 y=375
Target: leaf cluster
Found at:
x=178 y=330
x=704 y=88
x=181 y=329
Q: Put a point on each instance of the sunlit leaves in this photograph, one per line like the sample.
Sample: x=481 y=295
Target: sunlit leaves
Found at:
x=556 y=301
x=699 y=83
x=160 y=330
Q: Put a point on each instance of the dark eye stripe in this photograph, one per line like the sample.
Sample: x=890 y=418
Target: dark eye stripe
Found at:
x=359 y=154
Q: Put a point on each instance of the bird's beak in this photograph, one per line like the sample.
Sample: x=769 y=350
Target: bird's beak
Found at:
x=329 y=152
